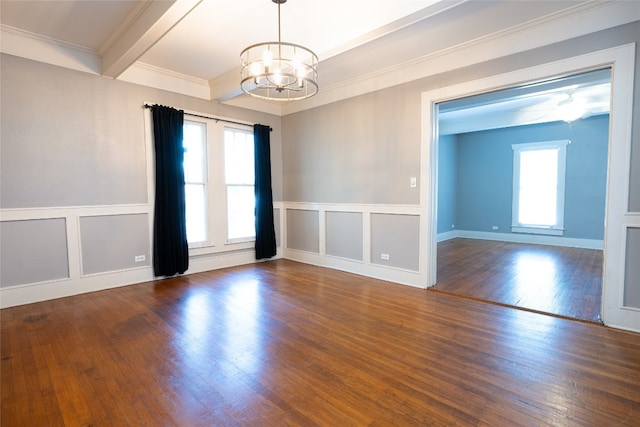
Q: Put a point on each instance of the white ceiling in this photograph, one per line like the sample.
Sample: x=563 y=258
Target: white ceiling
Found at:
x=199 y=41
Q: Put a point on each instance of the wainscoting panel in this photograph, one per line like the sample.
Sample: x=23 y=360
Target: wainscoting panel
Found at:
x=33 y=251
x=303 y=230
x=632 y=286
x=395 y=240
x=344 y=235
x=352 y=237
x=114 y=242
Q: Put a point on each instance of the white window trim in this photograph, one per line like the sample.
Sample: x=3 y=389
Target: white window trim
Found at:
x=216 y=198
x=203 y=243
x=558 y=229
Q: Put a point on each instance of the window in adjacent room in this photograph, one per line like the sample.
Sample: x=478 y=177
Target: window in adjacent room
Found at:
x=538 y=187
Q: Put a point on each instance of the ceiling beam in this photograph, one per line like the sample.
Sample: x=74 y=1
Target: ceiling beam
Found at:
x=225 y=86
x=147 y=23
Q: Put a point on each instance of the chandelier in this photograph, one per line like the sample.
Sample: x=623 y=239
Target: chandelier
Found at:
x=279 y=71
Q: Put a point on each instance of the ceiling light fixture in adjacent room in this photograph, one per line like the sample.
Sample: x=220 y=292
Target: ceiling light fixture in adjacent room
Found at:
x=571 y=109
x=279 y=71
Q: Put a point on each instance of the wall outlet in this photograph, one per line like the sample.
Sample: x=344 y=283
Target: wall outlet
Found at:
x=495 y=227
x=384 y=257
x=140 y=258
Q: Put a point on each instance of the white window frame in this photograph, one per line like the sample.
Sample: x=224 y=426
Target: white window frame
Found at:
x=205 y=180
x=216 y=193
x=251 y=238
x=558 y=228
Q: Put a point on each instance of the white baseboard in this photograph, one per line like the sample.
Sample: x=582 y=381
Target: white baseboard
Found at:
x=523 y=238
x=30 y=293
x=389 y=274
x=447 y=235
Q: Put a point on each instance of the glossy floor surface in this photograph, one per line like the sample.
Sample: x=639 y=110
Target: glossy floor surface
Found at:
x=551 y=279
x=287 y=344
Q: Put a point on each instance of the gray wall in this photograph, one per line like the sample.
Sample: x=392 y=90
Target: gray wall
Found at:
x=396 y=236
x=303 y=230
x=632 y=273
x=112 y=242
x=344 y=235
x=76 y=141
x=33 y=251
x=363 y=149
x=360 y=150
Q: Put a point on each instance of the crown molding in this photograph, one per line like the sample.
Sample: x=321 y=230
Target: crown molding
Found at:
x=569 y=23
x=161 y=78
x=25 y=44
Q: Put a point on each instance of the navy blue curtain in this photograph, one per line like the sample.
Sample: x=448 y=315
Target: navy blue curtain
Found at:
x=265 y=231
x=170 y=247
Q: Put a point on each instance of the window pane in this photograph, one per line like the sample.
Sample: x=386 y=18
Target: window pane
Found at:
x=241 y=205
x=194 y=152
x=538 y=187
x=238 y=157
x=196 y=213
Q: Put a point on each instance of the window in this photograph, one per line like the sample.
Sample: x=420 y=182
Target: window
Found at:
x=239 y=179
x=195 y=181
x=538 y=187
x=219 y=185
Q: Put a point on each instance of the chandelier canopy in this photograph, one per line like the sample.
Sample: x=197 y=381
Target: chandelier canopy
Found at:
x=279 y=71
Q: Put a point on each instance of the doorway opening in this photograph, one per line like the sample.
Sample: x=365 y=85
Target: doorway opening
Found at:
x=616 y=311
x=521 y=184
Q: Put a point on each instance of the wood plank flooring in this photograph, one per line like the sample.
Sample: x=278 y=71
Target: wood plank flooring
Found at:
x=287 y=344
x=551 y=279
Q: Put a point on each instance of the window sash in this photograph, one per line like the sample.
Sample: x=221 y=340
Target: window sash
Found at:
x=215 y=217
x=539 y=169
x=239 y=180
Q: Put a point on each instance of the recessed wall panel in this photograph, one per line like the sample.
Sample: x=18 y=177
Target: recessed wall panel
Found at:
x=302 y=230
x=632 y=273
x=276 y=225
x=33 y=251
x=395 y=240
x=344 y=235
x=114 y=242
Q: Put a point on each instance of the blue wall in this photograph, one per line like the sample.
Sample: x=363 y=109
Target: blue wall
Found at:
x=447 y=182
x=484 y=176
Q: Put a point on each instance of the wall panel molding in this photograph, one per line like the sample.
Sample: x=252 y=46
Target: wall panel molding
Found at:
x=363 y=267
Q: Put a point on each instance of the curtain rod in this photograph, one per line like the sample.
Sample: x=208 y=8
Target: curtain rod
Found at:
x=211 y=118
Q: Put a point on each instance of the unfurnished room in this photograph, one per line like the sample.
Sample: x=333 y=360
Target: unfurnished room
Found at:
x=319 y=213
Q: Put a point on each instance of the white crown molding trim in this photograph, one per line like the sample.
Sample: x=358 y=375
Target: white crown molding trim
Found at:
x=570 y=23
x=25 y=44
x=436 y=8
x=161 y=78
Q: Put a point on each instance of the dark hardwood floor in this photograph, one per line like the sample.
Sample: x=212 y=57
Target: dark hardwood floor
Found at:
x=551 y=279
x=282 y=343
